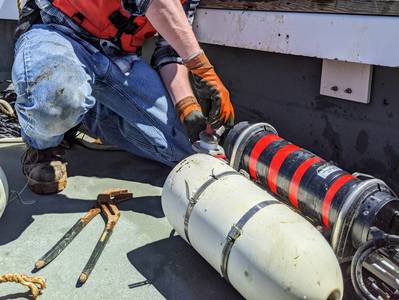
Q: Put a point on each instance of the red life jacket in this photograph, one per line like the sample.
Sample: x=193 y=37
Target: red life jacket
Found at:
x=106 y=19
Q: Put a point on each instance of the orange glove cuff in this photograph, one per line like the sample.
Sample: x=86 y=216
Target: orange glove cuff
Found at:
x=198 y=61
x=186 y=106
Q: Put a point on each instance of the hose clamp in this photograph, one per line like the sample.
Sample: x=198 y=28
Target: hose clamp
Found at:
x=240 y=143
x=192 y=201
x=236 y=231
x=345 y=219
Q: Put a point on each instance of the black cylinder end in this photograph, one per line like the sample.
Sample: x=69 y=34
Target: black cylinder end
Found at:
x=381 y=210
x=232 y=136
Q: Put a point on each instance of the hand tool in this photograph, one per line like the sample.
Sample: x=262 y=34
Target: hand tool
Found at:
x=209 y=142
x=106 y=203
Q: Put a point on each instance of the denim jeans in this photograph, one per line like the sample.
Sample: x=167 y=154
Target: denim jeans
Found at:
x=62 y=81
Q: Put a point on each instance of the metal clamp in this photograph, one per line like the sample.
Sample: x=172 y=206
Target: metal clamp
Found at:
x=236 y=231
x=192 y=201
x=340 y=232
x=234 y=163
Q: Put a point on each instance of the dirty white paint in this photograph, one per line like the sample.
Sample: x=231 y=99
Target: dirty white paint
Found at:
x=363 y=39
x=346 y=80
x=8 y=9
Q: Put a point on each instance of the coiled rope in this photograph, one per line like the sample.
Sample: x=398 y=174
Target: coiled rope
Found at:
x=35 y=284
x=9 y=127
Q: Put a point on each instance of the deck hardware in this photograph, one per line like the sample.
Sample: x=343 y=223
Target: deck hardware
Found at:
x=346 y=80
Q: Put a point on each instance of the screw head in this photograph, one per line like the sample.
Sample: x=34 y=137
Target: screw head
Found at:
x=334 y=88
x=348 y=91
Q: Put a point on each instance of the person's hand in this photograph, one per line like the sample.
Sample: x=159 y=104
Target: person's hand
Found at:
x=211 y=92
x=191 y=116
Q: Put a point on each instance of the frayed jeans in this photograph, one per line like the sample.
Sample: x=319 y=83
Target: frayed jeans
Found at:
x=62 y=81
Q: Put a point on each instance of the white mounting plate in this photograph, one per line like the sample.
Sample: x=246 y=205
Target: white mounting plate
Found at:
x=346 y=80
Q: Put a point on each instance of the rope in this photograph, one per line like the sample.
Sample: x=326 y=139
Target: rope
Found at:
x=35 y=284
x=20 y=6
x=9 y=127
x=6 y=108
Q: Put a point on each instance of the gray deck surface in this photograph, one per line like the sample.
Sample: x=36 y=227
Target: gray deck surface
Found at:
x=143 y=259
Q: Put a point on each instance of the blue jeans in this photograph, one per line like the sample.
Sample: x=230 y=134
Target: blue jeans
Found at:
x=62 y=81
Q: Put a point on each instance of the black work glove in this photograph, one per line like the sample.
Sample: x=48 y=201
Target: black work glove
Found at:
x=191 y=116
x=211 y=92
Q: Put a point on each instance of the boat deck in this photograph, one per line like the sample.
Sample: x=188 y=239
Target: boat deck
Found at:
x=144 y=258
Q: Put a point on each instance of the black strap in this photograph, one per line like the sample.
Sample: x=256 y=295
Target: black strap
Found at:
x=236 y=231
x=122 y=23
x=79 y=17
x=130 y=6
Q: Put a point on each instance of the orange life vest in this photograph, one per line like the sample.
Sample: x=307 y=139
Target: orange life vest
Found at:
x=106 y=19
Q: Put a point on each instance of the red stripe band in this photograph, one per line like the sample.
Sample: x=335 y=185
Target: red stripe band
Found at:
x=221 y=156
x=332 y=191
x=257 y=150
x=276 y=163
x=297 y=177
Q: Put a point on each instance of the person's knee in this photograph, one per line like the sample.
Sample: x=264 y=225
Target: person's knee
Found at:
x=56 y=97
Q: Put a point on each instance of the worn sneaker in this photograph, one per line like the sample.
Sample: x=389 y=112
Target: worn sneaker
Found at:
x=45 y=170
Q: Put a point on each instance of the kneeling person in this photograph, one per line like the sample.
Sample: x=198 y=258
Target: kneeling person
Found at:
x=78 y=62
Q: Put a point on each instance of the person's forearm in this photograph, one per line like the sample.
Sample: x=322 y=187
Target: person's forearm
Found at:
x=169 y=19
x=175 y=78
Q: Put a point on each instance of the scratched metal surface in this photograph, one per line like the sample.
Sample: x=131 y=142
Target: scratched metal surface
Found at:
x=142 y=260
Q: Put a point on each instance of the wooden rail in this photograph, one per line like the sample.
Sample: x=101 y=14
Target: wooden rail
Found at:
x=363 y=7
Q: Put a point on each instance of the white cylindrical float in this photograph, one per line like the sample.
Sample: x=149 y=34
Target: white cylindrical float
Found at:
x=261 y=246
x=3 y=191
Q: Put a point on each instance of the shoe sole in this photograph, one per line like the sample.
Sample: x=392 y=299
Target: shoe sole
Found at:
x=47 y=188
